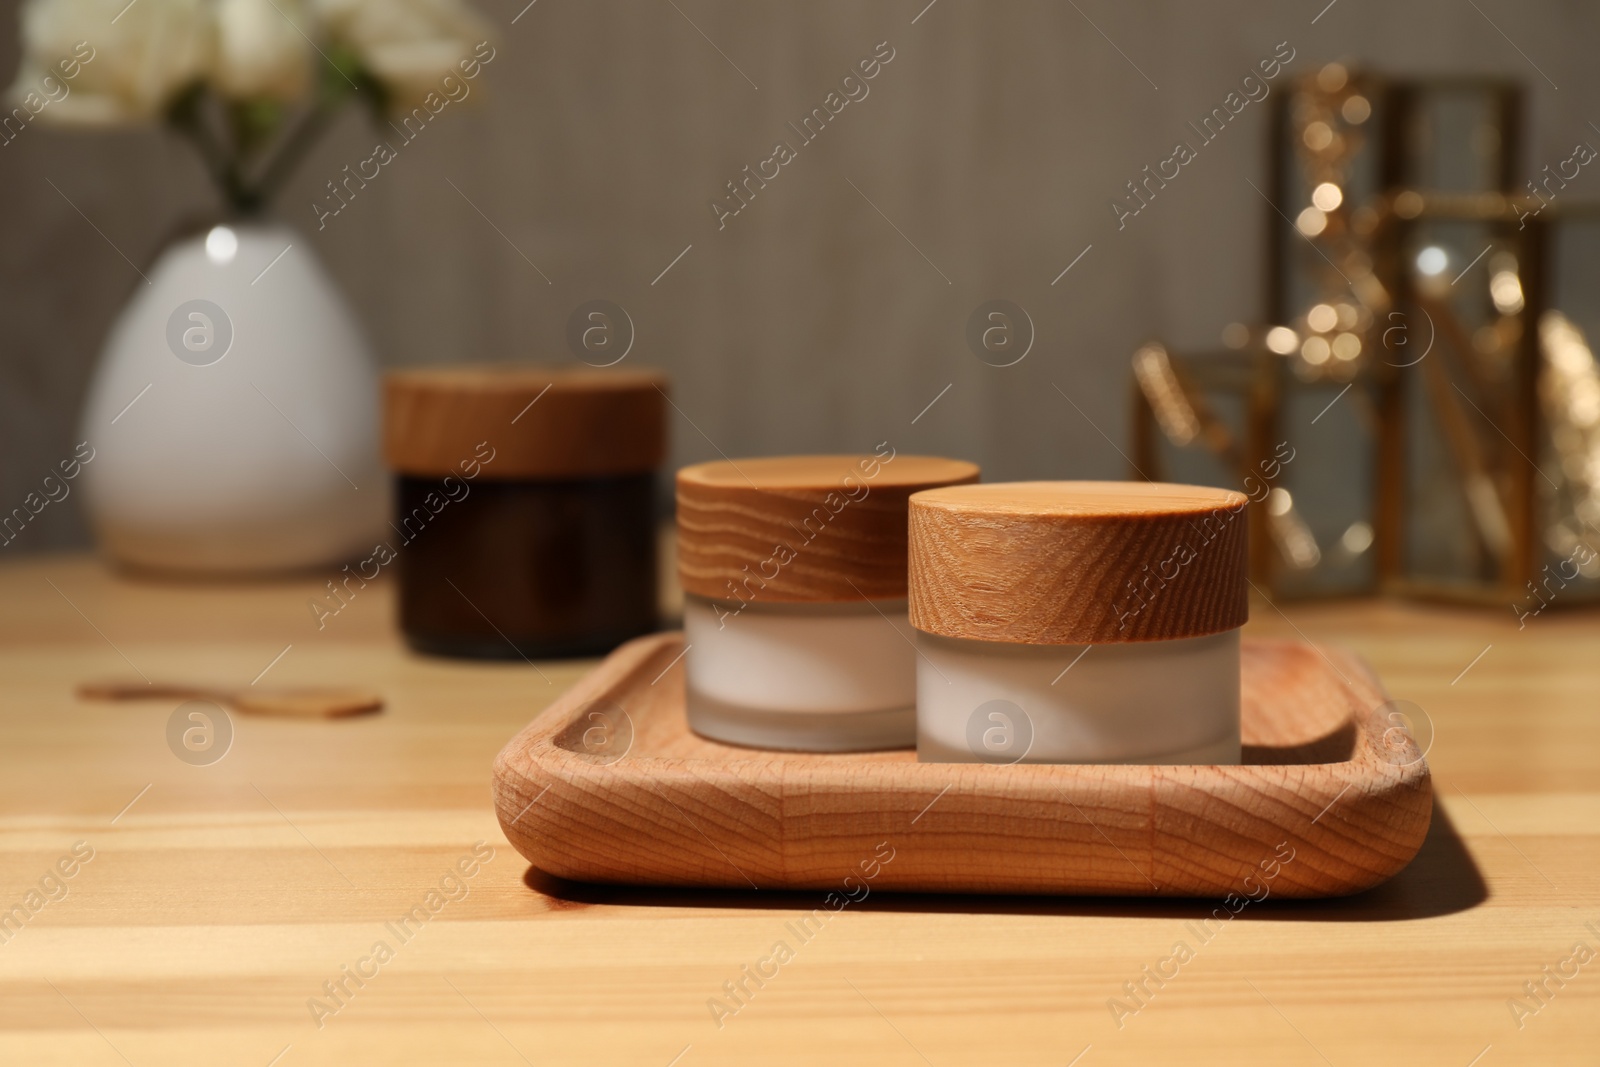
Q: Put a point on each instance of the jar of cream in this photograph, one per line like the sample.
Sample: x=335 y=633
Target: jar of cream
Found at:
x=794 y=578
x=525 y=511
x=1078 y=622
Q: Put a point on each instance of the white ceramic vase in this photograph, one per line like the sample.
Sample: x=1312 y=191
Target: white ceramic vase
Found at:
x=234 y=414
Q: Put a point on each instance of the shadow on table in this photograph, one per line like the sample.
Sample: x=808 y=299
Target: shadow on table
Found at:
x=1441 y=880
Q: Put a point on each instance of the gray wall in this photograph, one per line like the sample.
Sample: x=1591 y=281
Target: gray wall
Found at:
x=993 y=141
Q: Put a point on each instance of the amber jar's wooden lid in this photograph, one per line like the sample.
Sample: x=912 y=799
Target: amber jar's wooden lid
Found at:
x=541 y=422
x=803 y=528
x=1066 y=563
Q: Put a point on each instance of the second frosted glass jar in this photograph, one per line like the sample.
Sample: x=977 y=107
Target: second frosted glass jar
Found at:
x=794 y=573
x=1078 y=622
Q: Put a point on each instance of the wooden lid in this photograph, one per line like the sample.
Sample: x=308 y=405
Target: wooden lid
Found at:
x=803 y=528
x=1065 y=563
x=541 y=421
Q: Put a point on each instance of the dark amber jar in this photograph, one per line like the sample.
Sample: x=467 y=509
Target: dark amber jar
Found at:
x=524 y=507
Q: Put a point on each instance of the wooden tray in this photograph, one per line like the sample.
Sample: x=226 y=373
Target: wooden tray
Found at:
x=609 y=785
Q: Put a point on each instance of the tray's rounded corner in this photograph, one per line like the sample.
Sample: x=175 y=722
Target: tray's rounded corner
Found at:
x=1399 y=813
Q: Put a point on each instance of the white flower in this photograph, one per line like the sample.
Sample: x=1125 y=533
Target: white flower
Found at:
x=144 y=54
x=408 y=45
x=262 y=49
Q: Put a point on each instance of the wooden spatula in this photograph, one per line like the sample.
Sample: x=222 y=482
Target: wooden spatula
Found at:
x=295 y=703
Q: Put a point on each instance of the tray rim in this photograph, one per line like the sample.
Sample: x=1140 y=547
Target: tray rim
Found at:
x=533 y=754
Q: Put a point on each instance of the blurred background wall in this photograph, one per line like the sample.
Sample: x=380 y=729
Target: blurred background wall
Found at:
x=831 y=311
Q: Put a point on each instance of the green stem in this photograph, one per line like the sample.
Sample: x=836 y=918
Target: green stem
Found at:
x=186 y=116
x=250 y=146
x=290 y=149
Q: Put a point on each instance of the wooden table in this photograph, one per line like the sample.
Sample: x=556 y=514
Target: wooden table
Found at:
x=219 y=899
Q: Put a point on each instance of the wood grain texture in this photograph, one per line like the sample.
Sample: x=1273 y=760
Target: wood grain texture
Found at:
x=803 y=528
x=622 y=770
x=215 y=904
x=1067 y=563
x=541 y=421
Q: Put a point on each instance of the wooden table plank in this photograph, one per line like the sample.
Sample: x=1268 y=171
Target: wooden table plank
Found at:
x=220 y=901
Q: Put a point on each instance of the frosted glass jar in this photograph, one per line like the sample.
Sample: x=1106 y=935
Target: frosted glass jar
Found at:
x=1143 y=702
x=1078 y=622
x=794 y=573
x=816 y=677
